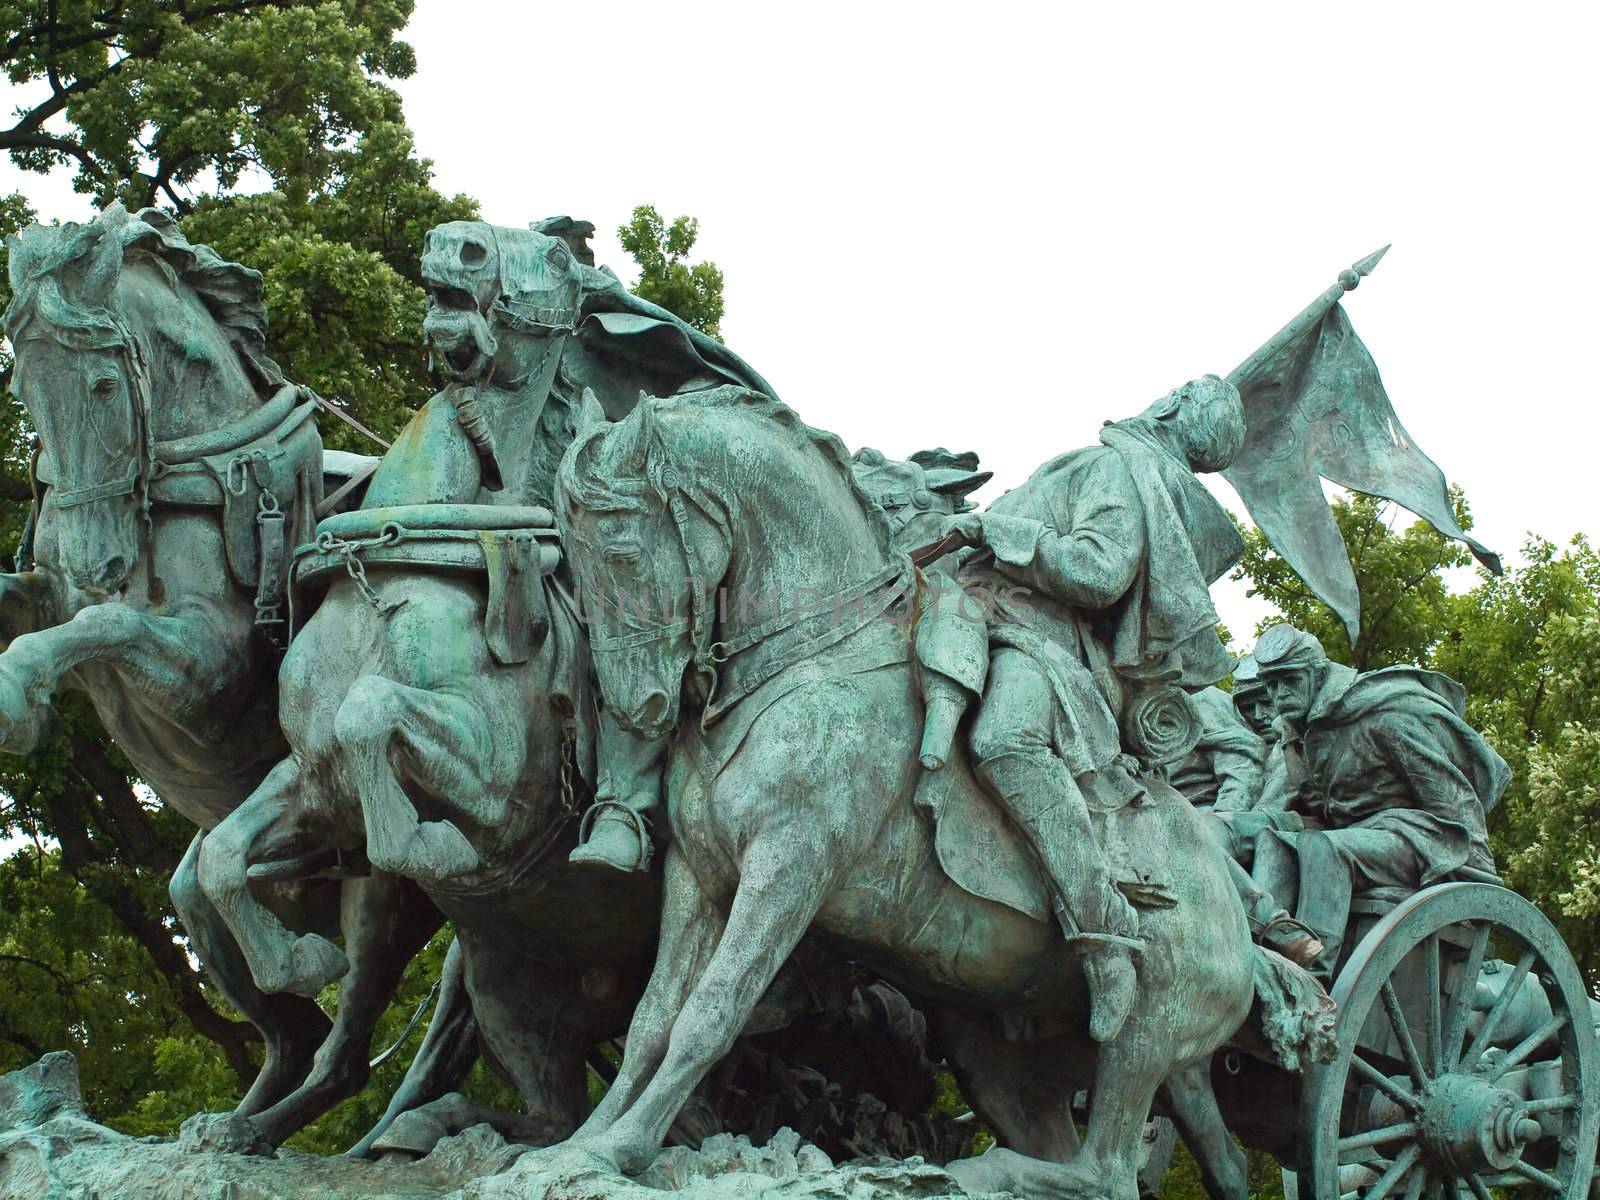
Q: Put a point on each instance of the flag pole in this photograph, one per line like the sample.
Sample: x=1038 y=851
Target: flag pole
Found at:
x=1309 y=316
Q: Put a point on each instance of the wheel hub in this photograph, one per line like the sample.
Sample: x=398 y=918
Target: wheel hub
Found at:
x=1469 y=1125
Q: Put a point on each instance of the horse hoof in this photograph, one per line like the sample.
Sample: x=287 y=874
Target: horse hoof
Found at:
x=23 y=723
x=440 y=851
x=228 y=1132
x=315 y=963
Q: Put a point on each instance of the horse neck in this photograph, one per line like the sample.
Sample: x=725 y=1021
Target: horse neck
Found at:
x=804 y=528
x=197 y=380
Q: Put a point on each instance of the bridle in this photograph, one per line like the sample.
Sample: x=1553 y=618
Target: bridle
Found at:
x=137 y=482
x=708 y=656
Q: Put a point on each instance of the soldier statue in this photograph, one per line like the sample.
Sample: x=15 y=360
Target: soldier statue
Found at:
x=1102 y=564
x=1389 y=786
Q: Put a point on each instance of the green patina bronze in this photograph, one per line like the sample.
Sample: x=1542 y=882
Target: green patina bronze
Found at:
x=703 y=731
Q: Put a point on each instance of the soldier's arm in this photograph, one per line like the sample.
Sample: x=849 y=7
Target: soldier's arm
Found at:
x=1091 y=565
x=1418 y=748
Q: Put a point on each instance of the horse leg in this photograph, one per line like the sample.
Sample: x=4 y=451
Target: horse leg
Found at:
x=530 y=1017
x=385 y=921
x=1192 y=1105
x=450 y=745
x=785 y=875
x=267 y=826
x=291 y=1026
x=445 y=1056
x=690 y=928
x=1021 y=1090
x=162 y=657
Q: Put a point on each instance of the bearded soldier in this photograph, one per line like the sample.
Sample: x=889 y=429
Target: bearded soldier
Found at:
x=1104 y=561
x=1391 y=787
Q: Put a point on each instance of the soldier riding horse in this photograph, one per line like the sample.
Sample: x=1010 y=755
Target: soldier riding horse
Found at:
x=793 y=776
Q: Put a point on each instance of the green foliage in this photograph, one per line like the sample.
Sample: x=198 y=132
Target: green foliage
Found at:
x=1399 y=575
x=1527 y=647
x=160 y=96
x=693 y=293
x=174 y=103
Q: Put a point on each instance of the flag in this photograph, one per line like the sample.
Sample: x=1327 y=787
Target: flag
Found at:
x=1315 y=409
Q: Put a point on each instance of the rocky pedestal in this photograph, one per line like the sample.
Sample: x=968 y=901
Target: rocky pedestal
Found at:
x=50 y=1148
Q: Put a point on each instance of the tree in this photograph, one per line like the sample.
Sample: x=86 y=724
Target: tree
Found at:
x=159 y=95
x=1527 y=647
x=157 y=101
x=691 y=292
x=1399 y=575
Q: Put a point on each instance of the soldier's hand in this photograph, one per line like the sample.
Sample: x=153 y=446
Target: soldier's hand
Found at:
x=967 y=526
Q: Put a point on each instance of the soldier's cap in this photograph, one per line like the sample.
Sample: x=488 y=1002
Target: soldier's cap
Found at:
x=1247 y=675
x=1285 y=648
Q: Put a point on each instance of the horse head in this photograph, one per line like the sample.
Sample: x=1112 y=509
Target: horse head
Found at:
x=106 y=316
x=492 y=291
x=649 y=545
x=698 y=524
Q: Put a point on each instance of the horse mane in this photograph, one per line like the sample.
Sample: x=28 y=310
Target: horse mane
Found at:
x=585 y=480
x=230 y=292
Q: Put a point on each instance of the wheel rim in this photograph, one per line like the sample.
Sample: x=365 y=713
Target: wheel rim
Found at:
x=1452 y=1114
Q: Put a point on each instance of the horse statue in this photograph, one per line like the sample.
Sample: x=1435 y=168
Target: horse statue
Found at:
x=793 y=798
x=437 y=700
x=175 y=466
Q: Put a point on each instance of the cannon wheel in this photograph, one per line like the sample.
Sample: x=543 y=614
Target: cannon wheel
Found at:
x=1451 y=1132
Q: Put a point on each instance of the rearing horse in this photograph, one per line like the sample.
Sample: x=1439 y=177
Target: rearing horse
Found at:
x=176 y=463
x=791 y=798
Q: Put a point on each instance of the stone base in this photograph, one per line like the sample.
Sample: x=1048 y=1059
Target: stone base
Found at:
x=50 y=1149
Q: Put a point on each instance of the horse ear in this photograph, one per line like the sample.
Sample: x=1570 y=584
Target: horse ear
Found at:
x=590 y=416
x=631 y=439
x=100 y=265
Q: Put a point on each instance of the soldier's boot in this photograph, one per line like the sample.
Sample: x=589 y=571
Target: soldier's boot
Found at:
x=1044 y=800
x=613 y=835
x=1270 y=923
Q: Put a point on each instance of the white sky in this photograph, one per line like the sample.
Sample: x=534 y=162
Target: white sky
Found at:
x=992 y=227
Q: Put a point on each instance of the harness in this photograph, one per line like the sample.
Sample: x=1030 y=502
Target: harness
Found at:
x=791 y=638
x=251 y=469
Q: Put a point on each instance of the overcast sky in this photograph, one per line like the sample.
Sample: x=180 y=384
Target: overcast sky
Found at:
x=993 y=226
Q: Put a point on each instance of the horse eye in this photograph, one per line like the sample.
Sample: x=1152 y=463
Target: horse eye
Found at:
x=624 y=552
x=105 y=387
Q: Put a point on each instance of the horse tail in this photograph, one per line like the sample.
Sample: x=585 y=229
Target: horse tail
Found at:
x=1292 y=1011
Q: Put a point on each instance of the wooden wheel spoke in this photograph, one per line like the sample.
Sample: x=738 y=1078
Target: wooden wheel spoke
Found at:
x=1384 y=1084
x=1415 y=1184
x=1376 y=1137
x=1460 y=1011
x=1402 y=1033
x=1528 y=1045
x=1501 y=1006
x=1435 y=988
x=1403 y=1163
x=1533 y=1174
x=1459 y=1189
x=1479 y=1189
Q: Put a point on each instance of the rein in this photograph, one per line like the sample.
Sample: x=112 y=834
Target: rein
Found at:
x=711 y=655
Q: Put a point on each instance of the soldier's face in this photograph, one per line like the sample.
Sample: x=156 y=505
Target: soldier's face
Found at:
x=1255 y=710
x=1291 y=693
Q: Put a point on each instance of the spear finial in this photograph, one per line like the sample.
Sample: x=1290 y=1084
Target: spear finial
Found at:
x=1310 y=315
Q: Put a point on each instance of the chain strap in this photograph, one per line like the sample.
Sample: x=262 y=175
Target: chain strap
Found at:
x=350 y=553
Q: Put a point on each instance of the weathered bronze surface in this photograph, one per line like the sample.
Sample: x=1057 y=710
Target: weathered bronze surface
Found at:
x=788 y=764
